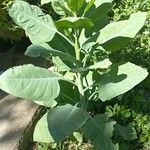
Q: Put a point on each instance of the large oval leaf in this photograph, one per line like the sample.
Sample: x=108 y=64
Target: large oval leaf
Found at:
x=117 y=34
x=119 y=80
x=30 y=82
x=38 y=26
x=64 y=120
x=37 y=50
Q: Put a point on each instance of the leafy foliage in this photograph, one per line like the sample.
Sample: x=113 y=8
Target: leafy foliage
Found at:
x=71 y=43
x=8 y=30
x=137 y=51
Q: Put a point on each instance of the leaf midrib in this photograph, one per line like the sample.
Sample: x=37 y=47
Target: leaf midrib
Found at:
x=52 y=28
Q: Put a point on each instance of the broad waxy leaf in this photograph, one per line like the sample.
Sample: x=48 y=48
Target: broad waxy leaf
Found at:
x=37 y=50
x=33 y=83
x=38 y=26
x=75 y=5
x=100 y=133
x=126 y=28
x=117 y=34
x=119 y=80
x=64 y=120
x=41 y=133
x=73 y=22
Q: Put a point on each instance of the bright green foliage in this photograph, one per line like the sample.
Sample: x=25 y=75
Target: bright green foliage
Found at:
x=71 y=43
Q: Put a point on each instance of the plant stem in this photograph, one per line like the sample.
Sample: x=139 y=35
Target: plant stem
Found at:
x=78 y=57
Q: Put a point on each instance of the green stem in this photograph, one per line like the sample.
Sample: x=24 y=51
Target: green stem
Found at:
x=78 y=57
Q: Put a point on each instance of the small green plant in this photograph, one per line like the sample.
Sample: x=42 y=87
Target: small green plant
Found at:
x=72 y=44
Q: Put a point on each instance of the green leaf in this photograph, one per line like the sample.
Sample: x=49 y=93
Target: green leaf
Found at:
x=64 y=120
x=73 y=22
x=26 y=82
x=128 y=132
x=37 y=50
x=75 y=5
x=45 y=1
x=61 y=65
x=117 y=34
x=72 y=95
x=41 y=133
x=100 y=132
x=88 y=6
x=104 y=64
x=98 y=14
x=61 y=44
x=38 y=26
x=119 y=80
x=61 y=7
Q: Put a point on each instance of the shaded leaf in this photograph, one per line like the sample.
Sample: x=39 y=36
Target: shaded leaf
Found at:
x=98 y=14
x=64 y=120
x=88 y=6
x=100 y=133
x=60 y=43
x=37 y=50
x=128 y=132
x=69 y=93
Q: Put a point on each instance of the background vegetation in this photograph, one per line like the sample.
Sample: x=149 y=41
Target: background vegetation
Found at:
x=134 y=107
